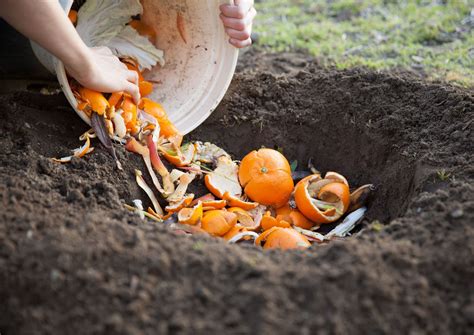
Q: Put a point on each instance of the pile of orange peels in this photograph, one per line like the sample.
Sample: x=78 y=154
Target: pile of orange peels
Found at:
x=255 y=200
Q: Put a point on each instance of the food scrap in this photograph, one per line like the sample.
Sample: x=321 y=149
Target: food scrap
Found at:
x=259 y=200
x=256 y=200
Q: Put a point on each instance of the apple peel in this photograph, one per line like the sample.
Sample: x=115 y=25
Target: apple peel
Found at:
x=183 y=184
x=158 y=165
x=134 y=146
x=143 y=185
x=311 y=235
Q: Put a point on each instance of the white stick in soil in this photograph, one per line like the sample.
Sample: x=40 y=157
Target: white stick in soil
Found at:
x=348 y=224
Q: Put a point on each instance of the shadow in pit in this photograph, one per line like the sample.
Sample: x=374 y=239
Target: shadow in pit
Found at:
x=361 y=157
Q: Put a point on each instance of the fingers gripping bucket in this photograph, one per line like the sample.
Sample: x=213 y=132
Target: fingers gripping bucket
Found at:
x=196 y=74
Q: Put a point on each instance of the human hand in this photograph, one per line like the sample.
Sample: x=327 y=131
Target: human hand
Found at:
x=102 y=71
x=47 y=25
x=237 y=21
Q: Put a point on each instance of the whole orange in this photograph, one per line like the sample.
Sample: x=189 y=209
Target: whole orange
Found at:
x=265 y=176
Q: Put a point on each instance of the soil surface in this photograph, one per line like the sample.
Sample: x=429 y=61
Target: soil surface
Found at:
x=74 y=261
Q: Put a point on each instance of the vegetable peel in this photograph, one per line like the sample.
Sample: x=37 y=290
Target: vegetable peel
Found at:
x=143 y=185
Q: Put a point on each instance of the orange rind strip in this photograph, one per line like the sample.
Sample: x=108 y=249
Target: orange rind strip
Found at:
x=79 y=152
x=234 y=201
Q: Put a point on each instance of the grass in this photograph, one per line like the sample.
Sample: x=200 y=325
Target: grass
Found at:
x=432 y=37
x=443 y=175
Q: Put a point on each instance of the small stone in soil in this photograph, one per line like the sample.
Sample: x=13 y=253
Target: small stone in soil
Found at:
x=456 y=214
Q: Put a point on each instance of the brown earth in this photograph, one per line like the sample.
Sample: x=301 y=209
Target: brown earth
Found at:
x=73 y=261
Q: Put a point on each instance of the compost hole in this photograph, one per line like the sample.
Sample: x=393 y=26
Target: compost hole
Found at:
x=306 y=116
x=339 y=147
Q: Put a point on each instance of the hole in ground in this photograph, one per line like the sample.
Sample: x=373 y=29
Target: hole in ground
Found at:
x=334 y=146
x=322 y=122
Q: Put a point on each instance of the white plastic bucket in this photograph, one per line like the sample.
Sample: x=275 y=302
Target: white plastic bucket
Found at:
x=196 y=74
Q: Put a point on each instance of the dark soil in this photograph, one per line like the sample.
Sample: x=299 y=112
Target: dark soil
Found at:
x=73 y=261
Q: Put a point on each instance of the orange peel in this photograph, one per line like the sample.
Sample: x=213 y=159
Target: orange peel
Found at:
x=257 y=213
x=283 y=212
x=268 y=221
x=191 y=216
x=299 y=220
x=224 y=179
x=72 y=15
x=150 y=211
x=218 y=222
x=145 y=88
x=115 y=99
x=129 y=113
x=335 y=192
x=167 y=128
x=282 y=238
x=235 y=201
x=244 y=218
x=263 y=236
x=214 y=204
x=179 y=157
x=293 y=216
x=174 y=207
x=79 y=152
x=84 y=149
x=318 y=210
x=143 y=29
x=266 y=178
x=336 y=177
x=133 y=66
x=205 y=197
x=95 y=100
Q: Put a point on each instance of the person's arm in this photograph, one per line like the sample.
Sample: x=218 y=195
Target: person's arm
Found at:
x=45 y=22
x=238 y=19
